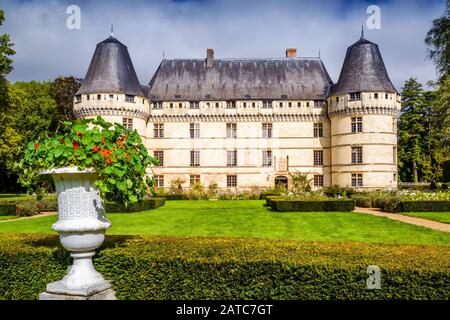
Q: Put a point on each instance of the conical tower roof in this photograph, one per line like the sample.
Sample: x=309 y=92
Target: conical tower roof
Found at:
x=363 y=70
x=111 y=70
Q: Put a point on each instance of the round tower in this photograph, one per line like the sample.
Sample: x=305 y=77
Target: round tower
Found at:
x=363 y=107
x=111 y=88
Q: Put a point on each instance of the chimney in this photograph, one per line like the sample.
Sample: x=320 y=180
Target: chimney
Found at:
x=291 y=52
x=209 y=58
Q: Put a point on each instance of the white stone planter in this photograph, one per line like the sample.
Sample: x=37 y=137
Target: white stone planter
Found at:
x=81 y=226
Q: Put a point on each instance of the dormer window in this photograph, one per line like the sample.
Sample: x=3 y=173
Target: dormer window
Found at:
x=129 y=98
x=231 y=104
x=284 y=96
x=355 y=96
x=194 y=105
x=267 y=104
x=78 y=98
x=157 y=105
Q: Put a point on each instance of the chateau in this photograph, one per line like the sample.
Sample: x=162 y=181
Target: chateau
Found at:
x=242 y=123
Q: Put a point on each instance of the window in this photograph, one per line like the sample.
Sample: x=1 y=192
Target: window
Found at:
x=337 y=99
x=78 y=98
x=180 y=105
x=195 y=158
x=244 y=104
x=194 y=179
x=280 y=104
x=157 y=105
x=375 y=95
x=299 y=104
x=171 y=105
x=231 y=180
x=129 y=98
x=267 y=158
x=386 y=96
x=319 y=103
x=355 y=96
x=194 y=129
x=357 y=124
x=231 y=104
x=159 y=179
x=357 y=180
x=290 y=104
x=128 y=123
x=231 y=130
x=307 y=104
x=231 y=158
x=99 y=97
x=394 y=155
x=267 y=130
x=253 y=104
x=88 y=97
x=158 y=130
x=318 y=157
x=217 y=104
x=194 y=105
x=159 y=155
x=356 y=154
x=111 y=97
x=394 y=125
x=318 y=130
x=318 y=180
x=267 y=104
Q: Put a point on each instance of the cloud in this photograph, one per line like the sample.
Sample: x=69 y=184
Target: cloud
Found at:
x=184 y=29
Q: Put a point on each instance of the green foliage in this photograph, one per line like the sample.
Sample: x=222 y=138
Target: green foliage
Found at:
x=362 y=200
x=117 y=154
x=63 y=90
x=28 y=208
x=146 y=204
x=7 y=208
x=300 y=182
x=176 y=186
x=5 y=50
x=444 y=186
x=336 y=191
x=278 y=204
x=216 y=268
x=423 y=206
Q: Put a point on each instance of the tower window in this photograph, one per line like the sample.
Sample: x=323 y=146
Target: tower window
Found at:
x=159 y=155
x=357 y=180
x=356 y=154
x=195 y=158
x=318 y=130
x=231 y=104
x=194 y=179
x=231 y=180
x=355 y=96
x=231 y=130
x=159 y=179
x=267 y=130
x=194 y=105
x=337 y=99
x=318 y=103
x=267 y=158
x=99 y=97
x=78 y=98
x=375 y=95
x=129 y=98
x=88 y=97
x=180 y=105
x=307 y=104
x=280 y=104
x=158 y=130
x=267 y=104
x=318 y=180
x=111 y=97
x=231 y=158
x=157 y=105
x=386 y=96
x=290 y=104
x=194 y=129
x=394 y=125
x=357 y=124
x=318 y=157
x=128 y=123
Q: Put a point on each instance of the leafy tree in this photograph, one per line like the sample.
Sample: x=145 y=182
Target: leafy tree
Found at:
x=438 y=42
x=5 y=50
x=63 y=90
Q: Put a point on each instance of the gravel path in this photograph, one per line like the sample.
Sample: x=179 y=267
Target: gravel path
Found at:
x=411 y=220
x=32 y=217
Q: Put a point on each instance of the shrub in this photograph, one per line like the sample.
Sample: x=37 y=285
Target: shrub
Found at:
x=28 y=208
x=312 y=205
x=433 y=185
x=225 y=269
x=173 y=196
x=423 y=206
x=7 y=208
x=264 y=195
x=146 y=204
x=444 y=186
x=49 y=205
x=336 y=191
x=362 y=200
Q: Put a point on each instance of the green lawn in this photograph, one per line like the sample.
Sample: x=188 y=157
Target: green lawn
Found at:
x=436 y=216
x=251 y=219
x=7 y=217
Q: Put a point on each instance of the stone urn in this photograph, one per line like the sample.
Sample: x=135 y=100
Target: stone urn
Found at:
x=81 y=226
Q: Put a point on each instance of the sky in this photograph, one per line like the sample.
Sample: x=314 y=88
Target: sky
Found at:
x=46 y=48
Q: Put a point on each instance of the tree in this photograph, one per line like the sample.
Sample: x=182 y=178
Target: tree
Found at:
x=438 y=42
x=5 y=50
x=63 y=90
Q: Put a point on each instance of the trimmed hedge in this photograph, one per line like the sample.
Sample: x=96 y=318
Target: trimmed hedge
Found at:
x=283 y=205
x=147 y=204
x=173 y=196
x=217 y=268
x=7 y=208
x=423 y=206
x=264 y=195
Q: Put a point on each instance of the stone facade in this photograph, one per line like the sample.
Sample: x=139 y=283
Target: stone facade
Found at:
x=255 y=140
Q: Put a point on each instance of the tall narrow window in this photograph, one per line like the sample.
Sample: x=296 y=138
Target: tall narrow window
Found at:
x=318 y=157
x=231 y=104
x=394 y=125
x=194 y=179
x=158 y=130
x=159 y=179
x=267 y=130
x=194 y=129
x=318 y=130
x=195 y=158
x=356 y=154
x=267 y=158
x=375 y=95
x=318 y=180
x=159 y=155
x=157 y=105
x=128 y=123
x=231 y=158
x=231 y=130
x=357 y=180
x=231 y=181
x=357 y=124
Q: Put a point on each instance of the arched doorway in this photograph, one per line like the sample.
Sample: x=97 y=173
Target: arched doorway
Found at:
x=281 y=181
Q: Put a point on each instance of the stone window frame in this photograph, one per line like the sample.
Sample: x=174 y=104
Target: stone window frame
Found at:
x=158 y=130
x=128 y=123
x=357 y=154
x=231 y=130
x=357 y=179
x=318 y=157
x=159 y=154
x=318 y=180
x=232 y=158
x=267 y=130
x=231 y=180
x=356 y=124
x=194 y=179
x=267 y=158
x=194 y=130
x=195 y=158
x=318 y=130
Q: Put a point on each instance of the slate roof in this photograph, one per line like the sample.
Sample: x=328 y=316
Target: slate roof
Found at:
x=228 y=79
x=363 y=70
x=111 y=71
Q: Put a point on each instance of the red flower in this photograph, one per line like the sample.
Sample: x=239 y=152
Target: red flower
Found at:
x=36 y=146
x=105 y=152
x=80 y=134
x=108 y=161
x=96 y=148
x=127 y=155
x=119 y=142
x=103 y=140
x=75 y=145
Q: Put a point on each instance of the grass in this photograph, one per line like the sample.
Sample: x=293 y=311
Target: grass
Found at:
x=249 y=218
x=7 y=217
x=435 y=216
x=14 y=197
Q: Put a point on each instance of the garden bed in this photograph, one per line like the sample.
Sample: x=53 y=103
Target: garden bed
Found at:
x=219 y=268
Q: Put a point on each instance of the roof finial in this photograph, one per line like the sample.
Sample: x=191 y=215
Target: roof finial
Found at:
x=362 y=31
x=112 y=31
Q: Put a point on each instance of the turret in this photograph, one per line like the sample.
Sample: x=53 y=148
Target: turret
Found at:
x=111 y=88
x=363 y=107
